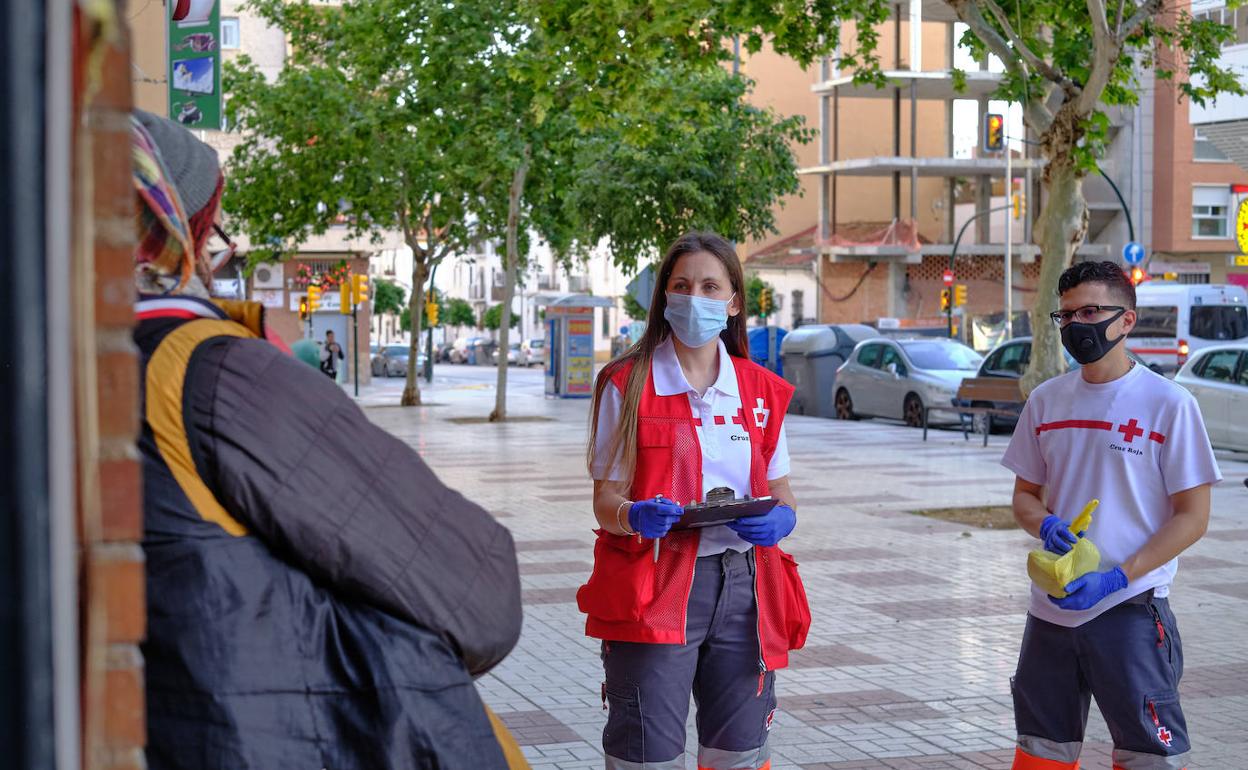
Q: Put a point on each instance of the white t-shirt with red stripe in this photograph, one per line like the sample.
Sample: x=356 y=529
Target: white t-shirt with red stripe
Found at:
x=1131 y=443
x=719 y=421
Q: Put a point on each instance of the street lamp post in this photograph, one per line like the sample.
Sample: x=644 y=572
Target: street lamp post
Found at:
x=429 y=338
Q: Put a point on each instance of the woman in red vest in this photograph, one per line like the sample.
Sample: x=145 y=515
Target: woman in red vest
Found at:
x=711 y=611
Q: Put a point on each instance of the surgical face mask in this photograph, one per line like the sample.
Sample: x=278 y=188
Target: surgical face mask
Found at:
x=1088 y=343
x=696 y=320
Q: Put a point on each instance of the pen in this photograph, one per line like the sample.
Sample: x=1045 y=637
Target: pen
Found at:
x=657 y=498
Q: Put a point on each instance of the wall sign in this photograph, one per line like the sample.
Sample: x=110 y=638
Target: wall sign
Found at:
x=195 y=63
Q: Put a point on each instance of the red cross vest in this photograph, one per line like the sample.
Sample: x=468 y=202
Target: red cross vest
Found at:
x=630 y=597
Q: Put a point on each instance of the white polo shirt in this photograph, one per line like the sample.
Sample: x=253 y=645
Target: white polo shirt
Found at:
x=719 y=421
x=1131 y=443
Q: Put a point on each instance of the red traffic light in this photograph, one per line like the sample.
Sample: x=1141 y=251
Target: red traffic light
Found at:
x=1138 y=276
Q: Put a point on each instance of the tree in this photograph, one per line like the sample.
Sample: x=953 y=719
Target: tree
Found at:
x=699 y=157
x=754 y=288
x=492 y=319
x=1065 y=61
x=388 y=297
x=459 y=313
x=362 y=128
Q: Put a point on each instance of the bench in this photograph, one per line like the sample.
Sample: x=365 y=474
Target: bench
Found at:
x=972 y=389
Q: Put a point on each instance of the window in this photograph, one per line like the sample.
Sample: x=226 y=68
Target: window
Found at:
x=1211 y=212
x=1156 y=322
x=891 y=356
x=1219 y=322
x=229 y=33
x=1010 y=358
x=1220 y=366
x=870 y=355
x=1203 y=149
x=1241 y=26
x=942 y=355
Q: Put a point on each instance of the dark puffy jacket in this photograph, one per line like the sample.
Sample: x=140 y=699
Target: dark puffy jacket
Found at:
x=317 y=598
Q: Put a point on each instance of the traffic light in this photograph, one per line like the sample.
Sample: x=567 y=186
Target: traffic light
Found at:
x=994 y=132
x=1138 y=276
x=1019 y=207
x=431 y=313
x=344 y=298
x=303 y=308
x=314 y=298
x=764 y=300
x=944 y=300
x=959 y=294
x=359 y=287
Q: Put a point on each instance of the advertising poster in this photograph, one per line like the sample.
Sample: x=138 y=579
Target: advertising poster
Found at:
x=580 y=356
x=195 y=63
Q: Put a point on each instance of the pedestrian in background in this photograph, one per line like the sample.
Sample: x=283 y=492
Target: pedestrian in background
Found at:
x=1114 y=431
x=710 y=611
x=289 y=628
x=331 y=354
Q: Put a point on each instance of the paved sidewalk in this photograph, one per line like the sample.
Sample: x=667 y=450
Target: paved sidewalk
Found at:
x=916 y=622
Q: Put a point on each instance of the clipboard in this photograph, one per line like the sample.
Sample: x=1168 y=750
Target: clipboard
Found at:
x=717 y=510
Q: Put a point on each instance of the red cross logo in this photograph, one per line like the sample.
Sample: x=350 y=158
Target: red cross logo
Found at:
x=739 y=417
x=1164 y=736
x=1130 y=430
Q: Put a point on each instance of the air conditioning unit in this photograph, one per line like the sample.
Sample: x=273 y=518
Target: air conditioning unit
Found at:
x=267 y=276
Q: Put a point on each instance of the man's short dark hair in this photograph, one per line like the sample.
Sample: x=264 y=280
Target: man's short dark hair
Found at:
x=1107 y=273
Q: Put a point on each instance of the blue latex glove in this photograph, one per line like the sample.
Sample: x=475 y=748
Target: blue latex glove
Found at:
x=1056 y=534
x=653 y=518
x=768 y=529
x=1084 y=592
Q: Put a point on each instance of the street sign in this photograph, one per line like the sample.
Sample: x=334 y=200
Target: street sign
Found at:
x=948 y=278
x=1133 y=253
x=641 y=288
x=194 y=76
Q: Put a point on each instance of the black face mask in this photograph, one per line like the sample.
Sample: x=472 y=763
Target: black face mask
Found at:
x=1088 y=343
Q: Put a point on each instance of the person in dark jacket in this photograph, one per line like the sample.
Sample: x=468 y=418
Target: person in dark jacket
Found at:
x=288 y=628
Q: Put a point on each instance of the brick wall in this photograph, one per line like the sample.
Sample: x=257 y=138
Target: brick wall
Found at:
x=110 y=521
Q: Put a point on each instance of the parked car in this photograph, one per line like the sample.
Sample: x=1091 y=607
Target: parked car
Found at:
x=1218 y=378
x=1010 y=359
x=392 y=361
x=1174 y=320
x=899 y=379
x=533 y=351
x=513 y=354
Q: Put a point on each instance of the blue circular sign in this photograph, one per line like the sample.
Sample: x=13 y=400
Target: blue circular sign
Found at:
x=1133 y=253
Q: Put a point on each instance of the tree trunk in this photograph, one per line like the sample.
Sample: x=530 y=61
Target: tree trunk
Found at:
x=509 y=286
x=1060 y=229
x=411 y=390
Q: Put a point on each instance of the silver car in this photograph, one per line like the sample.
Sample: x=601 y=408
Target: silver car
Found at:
x=899 y=379
x=533 y=351
x=1218 y=377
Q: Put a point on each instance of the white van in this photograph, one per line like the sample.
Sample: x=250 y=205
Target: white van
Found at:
x=1175 y=320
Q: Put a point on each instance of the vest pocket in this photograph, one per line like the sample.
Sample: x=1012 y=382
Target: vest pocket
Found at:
x=622 y=583
x=796 y=607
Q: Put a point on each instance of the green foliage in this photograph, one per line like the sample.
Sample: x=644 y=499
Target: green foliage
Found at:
x=492 y=319
x=458 y=313
x=700 y=157
x=633 y=309
x=389 y=298
x=754 y=287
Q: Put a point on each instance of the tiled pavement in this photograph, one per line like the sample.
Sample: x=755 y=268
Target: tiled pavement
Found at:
x=916 y=622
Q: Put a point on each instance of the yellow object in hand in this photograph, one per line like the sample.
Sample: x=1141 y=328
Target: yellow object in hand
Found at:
x=1053 y=572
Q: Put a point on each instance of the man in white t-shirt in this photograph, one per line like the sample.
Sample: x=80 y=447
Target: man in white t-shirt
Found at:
x=1119 y=433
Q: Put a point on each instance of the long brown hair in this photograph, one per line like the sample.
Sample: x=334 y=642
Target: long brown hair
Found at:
x=623 y=447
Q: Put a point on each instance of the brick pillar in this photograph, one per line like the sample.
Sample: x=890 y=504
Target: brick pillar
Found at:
x=113 y=611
